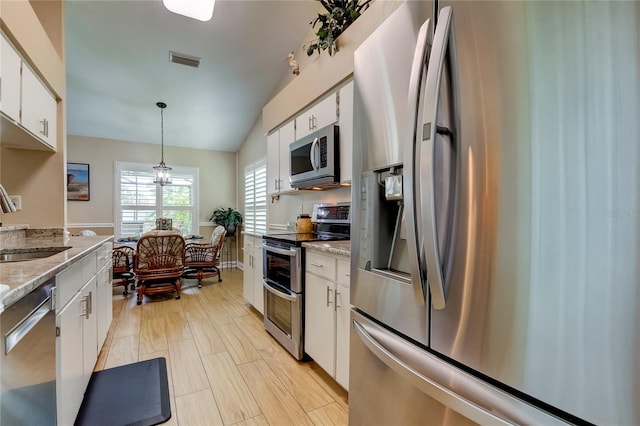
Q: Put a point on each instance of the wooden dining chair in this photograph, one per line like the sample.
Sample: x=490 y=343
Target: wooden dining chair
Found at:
x=203 y=260
x=158 y=264
x=122 y=268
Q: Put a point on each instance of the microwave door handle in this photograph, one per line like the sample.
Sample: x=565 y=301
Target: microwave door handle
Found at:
x=312 y=154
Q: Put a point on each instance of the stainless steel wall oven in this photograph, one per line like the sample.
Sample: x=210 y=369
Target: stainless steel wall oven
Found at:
x=283 y=274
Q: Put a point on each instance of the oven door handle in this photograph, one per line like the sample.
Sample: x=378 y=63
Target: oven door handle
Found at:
x=279 y=293
x=290 y=252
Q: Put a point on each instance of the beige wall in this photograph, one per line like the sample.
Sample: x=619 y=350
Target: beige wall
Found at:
x=35 y=30
x=253 y=149
x=217 y=178
x=319 y=74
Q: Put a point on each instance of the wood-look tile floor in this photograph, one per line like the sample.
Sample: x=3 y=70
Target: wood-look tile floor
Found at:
x=223 y=367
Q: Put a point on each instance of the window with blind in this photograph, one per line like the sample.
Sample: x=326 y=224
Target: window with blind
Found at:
x=139 y=201
x=255 y=198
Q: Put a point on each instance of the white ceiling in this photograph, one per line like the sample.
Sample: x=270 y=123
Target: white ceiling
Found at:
x=118 y=67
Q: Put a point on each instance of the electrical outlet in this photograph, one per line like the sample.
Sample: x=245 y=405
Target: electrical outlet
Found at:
x=17 y=201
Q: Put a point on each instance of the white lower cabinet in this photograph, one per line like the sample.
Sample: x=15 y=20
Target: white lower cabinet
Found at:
x=326 y=330
x=252 y=285
x=70 y=380
x=83 y=317
x=343 y=326
x=104 y=303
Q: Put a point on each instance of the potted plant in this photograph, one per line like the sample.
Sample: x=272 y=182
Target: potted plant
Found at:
x=227 y=217
x=340 y=14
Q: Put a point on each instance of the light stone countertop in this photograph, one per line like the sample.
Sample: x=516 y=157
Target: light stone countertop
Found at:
x=19 y=278
x=341 y=248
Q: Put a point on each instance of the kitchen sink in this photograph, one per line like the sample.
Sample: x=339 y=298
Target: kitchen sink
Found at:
x=20 y=255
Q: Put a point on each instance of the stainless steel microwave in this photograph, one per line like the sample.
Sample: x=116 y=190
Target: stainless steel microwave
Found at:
x=314 y=160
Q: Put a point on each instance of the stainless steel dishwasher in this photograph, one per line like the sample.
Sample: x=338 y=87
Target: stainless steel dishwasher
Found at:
x=28 y=367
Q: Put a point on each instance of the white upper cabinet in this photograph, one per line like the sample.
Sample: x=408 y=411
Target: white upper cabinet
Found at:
x=318 y=116
x=273 y=162
x=29 y=110
x=10 y=64
x=278 y=159
x=336 y=108
x=39 y=108
x=287 y=136
x=346 y=131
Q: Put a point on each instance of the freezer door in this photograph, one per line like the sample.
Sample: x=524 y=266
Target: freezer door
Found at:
x=417 y=388
x=544 y=284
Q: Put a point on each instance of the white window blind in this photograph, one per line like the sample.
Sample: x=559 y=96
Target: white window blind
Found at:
x=139 y=201
x=255 y=198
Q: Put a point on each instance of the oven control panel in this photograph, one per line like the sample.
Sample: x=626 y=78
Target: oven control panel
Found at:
x=333 y=213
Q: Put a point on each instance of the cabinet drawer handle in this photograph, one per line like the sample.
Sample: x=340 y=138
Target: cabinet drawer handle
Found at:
x=328 y=296
x=45 y=127
x=85 y=312
x=317 y=265
x=335 y=300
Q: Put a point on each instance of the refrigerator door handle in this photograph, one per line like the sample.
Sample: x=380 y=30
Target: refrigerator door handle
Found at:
x=442 y=41
x=426 y=384
x=412 y=155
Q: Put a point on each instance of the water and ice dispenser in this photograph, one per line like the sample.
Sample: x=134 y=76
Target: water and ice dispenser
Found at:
x=383 y=241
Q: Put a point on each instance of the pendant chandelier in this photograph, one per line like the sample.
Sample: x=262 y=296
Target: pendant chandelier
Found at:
x=161 y=172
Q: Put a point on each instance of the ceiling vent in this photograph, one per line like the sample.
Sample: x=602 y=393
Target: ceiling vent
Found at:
x=184 y=59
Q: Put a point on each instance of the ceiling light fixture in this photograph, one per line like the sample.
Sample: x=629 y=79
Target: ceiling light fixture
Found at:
x=161 y=172
x=202 y=10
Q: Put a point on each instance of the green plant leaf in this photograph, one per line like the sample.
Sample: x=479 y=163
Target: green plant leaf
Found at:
x=340 y=14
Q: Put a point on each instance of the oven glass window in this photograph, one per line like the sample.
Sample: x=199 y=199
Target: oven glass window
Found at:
x=279 y=312
x=279 y=268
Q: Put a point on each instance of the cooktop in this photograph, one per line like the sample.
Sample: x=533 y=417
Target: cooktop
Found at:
x=300 y=238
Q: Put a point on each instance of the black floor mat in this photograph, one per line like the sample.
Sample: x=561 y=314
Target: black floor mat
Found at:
x=134 y=394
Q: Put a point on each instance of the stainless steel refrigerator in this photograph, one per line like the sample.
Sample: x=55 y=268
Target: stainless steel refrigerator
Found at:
x=496 y=215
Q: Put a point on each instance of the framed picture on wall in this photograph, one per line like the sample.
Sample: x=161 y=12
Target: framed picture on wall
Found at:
x=77 y=182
